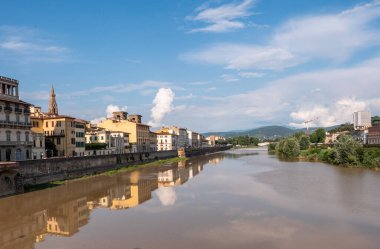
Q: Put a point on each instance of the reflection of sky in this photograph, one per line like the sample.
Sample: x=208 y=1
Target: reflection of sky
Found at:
x=246 y=202
x=166 y=195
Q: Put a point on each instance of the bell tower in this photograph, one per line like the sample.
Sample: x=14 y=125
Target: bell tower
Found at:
x=53 y=107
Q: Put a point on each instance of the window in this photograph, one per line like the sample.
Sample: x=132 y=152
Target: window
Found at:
x=7 y=117
x=46 y=124
x=8 y=136
x=52 y=123
x=18 y=136
x=26 y=136
x=17 y=118
x=58 y=140
x=72 y=140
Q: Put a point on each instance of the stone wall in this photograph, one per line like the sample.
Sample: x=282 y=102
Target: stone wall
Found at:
x=55 y=169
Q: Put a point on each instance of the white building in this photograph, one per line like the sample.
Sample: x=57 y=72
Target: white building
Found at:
x=38 y=149
x=362 y=120
x=116 y=142
x=166 y=141
x=15 y=126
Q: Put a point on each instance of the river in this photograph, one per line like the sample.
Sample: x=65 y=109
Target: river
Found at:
x=235 y=199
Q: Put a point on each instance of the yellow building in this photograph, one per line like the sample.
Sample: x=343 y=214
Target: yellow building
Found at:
x=139 y=134
x=67 y=133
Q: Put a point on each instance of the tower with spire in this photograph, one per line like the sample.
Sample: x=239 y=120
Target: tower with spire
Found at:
x=53 y=107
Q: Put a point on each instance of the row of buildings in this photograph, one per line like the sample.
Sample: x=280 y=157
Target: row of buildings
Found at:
x=366 y=129
x=26 y=132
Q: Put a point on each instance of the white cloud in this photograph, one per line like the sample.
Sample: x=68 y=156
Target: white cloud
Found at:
x=239 y=56
x=251 y=74
x=223 y=18
x=109 y=110
x=163 y=105
x=330 y=94
x=332 y=37
x=229 y=78
x=167 y=196
x=26 y=45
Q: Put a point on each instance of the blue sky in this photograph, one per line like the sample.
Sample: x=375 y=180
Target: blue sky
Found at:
x=205 y=65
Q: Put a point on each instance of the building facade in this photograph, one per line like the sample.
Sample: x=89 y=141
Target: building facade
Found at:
x=139 y=133
x=166 y=141
x=373 y=135
x=362 y=120
x=15 y=126
x=64 y=134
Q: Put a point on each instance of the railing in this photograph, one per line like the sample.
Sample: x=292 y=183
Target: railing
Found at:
x=18 y=110
x=16 y=143
x=14 y=123
x=8 y=108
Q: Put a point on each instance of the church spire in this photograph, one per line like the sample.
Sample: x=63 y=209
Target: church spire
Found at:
x=53 y=107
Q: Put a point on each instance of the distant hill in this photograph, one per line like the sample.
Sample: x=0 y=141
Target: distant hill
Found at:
x=272 y=131
x=261 y=132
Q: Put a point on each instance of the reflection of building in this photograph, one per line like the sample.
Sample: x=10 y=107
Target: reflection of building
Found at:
x=67 y=218
x=22 y=232
x=15 y=134
x=362 y=120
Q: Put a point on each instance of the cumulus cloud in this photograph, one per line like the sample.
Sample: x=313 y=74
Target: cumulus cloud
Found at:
x=162 y=105
x=332 y=37
x=336 y=113
x=224 y=18
x=331 y=94
x=109 y=110
x=167 y=196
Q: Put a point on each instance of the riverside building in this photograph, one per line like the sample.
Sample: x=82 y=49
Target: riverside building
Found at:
x=65 y=132
x=15 y=127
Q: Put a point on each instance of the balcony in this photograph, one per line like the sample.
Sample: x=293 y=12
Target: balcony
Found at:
x=16 y=143
x=15 y=124
x=8 y=109
x=18 y=110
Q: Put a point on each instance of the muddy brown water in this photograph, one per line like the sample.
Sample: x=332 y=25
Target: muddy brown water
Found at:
x=235 y=199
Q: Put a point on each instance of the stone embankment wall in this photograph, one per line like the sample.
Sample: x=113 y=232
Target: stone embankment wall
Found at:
x=55 y=169
x=14 y=177
x=197 y=152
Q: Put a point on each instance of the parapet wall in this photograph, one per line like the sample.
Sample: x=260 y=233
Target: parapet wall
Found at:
x=55 y=169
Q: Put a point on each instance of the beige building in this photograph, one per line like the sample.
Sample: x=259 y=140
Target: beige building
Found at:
x=15 y=127
x=166 y=140
x=139 y=133
x=67 y=133
x=213 y=140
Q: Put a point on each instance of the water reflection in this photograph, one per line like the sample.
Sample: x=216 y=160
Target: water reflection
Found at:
x=62 y=211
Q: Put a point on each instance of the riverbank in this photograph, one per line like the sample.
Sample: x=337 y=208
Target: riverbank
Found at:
x=50 y=172
x=30 y=188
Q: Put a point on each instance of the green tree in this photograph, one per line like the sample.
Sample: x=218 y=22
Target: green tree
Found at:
x=51 y=149
x=348 y=151
x=375 y=121
x=318 y=136
x=304 y=142
x=291 y=148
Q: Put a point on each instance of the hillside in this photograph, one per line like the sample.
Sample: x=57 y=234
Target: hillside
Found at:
x=272 y=131
x=261 y=132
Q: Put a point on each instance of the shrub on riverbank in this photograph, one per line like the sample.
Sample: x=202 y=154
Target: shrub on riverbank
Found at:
x=346 y=152
x=288 y=147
